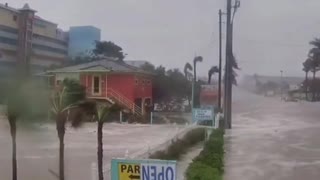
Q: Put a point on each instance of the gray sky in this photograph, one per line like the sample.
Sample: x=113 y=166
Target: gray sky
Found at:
x=270 y=35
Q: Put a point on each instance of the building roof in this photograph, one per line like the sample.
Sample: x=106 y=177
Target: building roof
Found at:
x=26 y=7
x=104 y=65
x=5 y=6
x=136 y=63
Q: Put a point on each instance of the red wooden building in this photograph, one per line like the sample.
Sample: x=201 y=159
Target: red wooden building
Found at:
x=112 y=81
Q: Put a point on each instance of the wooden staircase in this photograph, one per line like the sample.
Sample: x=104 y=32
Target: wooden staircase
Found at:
x=116 y=97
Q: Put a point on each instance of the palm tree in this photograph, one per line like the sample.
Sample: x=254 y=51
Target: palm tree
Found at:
x=12 y=118
x=14 y=110
x=187 y=74
x=102 y=113
x=212 y=70
x=61 y=110
x=196 y=60
x=314 y=54
x=187 y=68
x=307 y=66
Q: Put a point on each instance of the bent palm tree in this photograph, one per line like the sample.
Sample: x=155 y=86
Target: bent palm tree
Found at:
x=307 y=66
x=13 y=113
x=187 y=74
x=102 y=113
x=315 y=62
x=61 y=111
x=212 y=70
x=12 y=118
x=196 y=60
x=187 y=68
x=314 y=54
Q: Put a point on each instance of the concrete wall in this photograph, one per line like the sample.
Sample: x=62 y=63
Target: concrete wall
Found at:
x=45 y=28
x=6 y=18
x=143 y=87
x=123 y=84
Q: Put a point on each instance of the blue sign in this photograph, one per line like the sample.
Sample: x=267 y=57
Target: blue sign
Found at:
x=123 y=169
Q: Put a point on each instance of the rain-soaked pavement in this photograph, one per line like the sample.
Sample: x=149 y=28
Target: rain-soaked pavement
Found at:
x=273 y=140
x=38 y=148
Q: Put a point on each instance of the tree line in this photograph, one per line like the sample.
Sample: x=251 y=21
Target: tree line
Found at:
x=312 y=65
x=173 y=84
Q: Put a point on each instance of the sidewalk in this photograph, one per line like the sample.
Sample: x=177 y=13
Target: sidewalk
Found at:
x=186 y=159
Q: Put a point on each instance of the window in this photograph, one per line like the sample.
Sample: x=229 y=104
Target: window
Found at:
x=49 y=49
x=96 y=84
x=8 y=29
x=15 y=17
x=148 y=82
x=8 y=41
x=137 y=81
x=49 y=39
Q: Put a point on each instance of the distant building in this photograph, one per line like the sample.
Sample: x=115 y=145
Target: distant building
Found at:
x=27 y=39
x=82 y=40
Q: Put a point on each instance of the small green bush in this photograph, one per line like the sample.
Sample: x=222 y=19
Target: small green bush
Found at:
x=209 y=163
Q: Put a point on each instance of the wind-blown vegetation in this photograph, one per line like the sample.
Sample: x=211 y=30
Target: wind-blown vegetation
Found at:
x=209 y=164
x=180 y=146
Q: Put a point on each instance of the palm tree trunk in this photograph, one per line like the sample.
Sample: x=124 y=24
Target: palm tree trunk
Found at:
x=195 y=72
x=13 y=131
x=61 y=132
x=306 y=85
x=313 y=86
x=100 y=150
x=61 y=157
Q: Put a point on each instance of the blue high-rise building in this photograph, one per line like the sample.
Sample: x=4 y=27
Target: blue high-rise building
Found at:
x=82 y=40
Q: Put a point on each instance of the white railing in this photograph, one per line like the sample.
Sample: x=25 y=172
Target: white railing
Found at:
x=121 y=99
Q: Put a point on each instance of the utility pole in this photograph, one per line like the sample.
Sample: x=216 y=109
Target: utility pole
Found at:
x=228 y=83
x=229 y=62
x=220 y=59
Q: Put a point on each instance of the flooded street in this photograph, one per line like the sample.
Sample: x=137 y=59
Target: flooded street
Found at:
x=37 y=149
x=272 y=140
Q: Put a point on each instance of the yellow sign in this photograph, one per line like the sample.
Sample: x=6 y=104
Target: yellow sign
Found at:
x=129 y=171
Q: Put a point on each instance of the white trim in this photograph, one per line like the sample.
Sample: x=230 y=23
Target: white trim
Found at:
x=92 y=85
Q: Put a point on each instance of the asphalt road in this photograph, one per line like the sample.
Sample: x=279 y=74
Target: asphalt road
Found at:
x=38 y=148
x=272 y=140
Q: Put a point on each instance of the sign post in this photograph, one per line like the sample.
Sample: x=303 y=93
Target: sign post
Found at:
x=123 y=169
x=203 y=114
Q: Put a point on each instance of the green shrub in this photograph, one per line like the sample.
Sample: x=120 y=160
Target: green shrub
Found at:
x=199 y=171
x=180 y=146
x=209 y=163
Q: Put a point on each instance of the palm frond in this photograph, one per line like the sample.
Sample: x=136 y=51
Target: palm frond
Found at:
x=198 y=59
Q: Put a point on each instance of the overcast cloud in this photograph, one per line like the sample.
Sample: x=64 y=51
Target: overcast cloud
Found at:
x=270 y=35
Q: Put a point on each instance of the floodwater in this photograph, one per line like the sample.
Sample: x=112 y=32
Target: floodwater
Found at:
x=272 y=140
x=38 y=148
